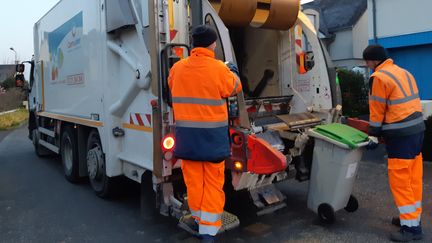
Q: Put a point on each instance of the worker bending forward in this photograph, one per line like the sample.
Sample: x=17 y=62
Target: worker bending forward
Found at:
x=396 y=114
x=199 y=87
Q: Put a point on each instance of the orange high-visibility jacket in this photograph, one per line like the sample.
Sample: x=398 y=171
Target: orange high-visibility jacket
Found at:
x=394 y=102
x=199 y=87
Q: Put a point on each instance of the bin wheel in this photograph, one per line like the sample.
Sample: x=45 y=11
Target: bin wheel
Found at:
x=326 y=213
x=352 y=205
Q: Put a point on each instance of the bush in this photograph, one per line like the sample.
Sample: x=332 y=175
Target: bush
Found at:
x=13 y=119
x=8 y=83
x=354 y=91
x=12 y=99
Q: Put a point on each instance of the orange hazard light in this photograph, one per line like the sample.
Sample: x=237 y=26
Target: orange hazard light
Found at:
x=238 y=165
x=168 y=142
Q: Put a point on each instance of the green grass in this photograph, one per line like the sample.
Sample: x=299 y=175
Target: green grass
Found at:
x=14 y=119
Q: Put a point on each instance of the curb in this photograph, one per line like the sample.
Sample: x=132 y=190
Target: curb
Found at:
x=7 y=112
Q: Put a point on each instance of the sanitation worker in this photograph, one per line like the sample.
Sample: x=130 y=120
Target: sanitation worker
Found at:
x=396 y=115
x=199 y=87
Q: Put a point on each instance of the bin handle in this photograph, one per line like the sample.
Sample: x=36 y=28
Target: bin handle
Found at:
x=335 y=136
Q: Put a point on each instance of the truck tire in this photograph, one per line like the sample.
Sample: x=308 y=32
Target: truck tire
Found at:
x=69 y=155
x=100 y=182
x=40 y=150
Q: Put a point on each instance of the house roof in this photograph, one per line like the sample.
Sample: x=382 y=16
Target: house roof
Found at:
x=337 y=14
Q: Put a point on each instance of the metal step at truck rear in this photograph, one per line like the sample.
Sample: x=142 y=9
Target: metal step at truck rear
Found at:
x=229 y=221
x=267 y=199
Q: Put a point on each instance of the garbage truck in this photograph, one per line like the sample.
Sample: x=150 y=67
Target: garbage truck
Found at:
x=99 y=96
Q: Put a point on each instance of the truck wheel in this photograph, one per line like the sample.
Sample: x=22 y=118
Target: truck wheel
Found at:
x=100 y=182
x=352 y=205
x=69 y=155
x=326 y=213
x=40 y=150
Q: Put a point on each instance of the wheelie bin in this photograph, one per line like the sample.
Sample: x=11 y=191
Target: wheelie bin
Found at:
x=338 y=149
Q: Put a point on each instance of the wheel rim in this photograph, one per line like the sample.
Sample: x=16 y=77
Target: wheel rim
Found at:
x=67 y=154
x=95 y=163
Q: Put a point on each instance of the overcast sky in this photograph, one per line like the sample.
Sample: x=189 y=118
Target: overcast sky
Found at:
x=17 y=18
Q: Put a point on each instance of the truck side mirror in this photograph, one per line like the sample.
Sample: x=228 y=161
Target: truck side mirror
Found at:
x=19 y=68
x=19 y=80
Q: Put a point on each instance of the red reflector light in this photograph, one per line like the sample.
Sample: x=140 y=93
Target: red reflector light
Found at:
x=154 y=103
x=168 y=142
x=237 y=139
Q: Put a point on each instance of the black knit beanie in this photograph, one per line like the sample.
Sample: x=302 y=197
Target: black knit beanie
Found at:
x=203 y=36
x=375 y=53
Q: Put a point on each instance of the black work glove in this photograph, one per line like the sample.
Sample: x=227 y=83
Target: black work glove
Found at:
x=373 y=143
x=233 y=68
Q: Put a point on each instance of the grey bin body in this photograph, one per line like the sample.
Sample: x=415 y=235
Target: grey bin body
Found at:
x=334 y=169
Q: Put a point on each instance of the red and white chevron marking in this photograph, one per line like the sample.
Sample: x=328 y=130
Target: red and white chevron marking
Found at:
x=139 y=119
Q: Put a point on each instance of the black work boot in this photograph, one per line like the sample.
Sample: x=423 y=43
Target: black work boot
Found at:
x=406 y=234
x=396 y=221
x=207 y=239
x=189 y=224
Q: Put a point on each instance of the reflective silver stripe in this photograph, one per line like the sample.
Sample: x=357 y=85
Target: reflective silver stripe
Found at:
x=198 y=101
x=375 y=124
x=403 y=124
x=236 y=86
x=196 y=213
x=378 y=99
x=395 y=79
x=192 y=124
x=418 y=204
x=208 y=230
x=410 y=222
x=210 y=217
x=407 y=209
x=410 y=82
x=403 y=100
x=394 y=102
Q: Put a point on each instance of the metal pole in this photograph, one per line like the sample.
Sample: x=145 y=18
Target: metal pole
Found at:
x=374 y=21
x=12 y=49
x=197 y=15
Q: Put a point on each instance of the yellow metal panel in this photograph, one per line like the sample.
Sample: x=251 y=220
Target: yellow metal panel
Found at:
x=72 y=119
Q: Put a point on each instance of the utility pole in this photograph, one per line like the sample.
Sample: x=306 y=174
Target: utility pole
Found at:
x=12 y=49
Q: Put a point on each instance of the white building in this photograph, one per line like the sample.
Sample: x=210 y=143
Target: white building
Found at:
x=343 y=26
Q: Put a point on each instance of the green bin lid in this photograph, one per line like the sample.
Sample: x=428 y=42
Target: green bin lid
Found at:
x=342 y=133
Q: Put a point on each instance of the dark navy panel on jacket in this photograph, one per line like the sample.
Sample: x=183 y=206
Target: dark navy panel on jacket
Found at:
x=202 y=144
x=406 y=147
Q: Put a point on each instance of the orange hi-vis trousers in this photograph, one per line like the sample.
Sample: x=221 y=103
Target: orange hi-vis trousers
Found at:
x=406 y=178
x=206 y=198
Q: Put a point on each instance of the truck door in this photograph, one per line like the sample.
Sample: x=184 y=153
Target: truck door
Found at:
x=224 y=52
x=224 y=47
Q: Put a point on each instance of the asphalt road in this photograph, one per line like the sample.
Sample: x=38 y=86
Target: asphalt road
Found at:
x=3 y=134
x=38 y=205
